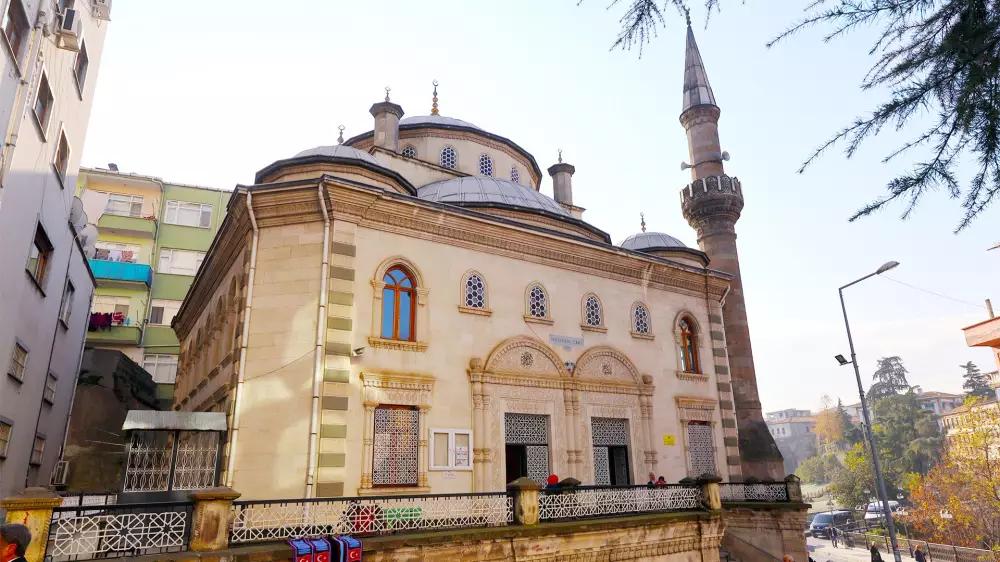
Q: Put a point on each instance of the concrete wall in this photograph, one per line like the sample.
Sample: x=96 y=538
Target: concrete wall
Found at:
x=33 y=194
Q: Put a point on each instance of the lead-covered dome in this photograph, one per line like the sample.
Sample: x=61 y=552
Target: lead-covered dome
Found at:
x=485 y=191
x=645 y=241
x=436 y=120
x=338 y=151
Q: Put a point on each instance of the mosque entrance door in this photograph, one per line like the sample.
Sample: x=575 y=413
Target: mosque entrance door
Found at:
x=527 y=448
x=611 y=461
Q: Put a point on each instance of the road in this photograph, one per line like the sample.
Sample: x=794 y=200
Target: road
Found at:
x=821 y=551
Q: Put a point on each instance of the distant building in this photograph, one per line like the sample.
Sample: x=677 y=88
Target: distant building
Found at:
x=981 y=334
x=939 y=403
x=47 y=76
x=152 y=237
x=794 y=431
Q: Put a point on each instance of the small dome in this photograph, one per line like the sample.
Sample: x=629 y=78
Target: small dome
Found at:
x=339 y=151
x=483 y=190
x=644 y=241
x=436 y=120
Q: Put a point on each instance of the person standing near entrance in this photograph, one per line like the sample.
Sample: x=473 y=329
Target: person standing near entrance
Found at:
x=14 y=541
x=876 y=555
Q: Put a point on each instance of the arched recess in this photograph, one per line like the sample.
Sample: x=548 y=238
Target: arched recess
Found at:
x=701 y=346
x=420 y=318
x=609 y=388
x=524 y=355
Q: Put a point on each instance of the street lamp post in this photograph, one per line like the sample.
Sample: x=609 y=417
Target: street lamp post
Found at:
x=877 y=464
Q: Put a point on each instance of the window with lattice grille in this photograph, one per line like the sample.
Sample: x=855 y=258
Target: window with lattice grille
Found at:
x=515 y=176
x=701 y=448
x=395 y=446
x=475 y=291
x=640 y=319
x=485 y=165
x=449 y=158
x=409 y=151
x=592 y=311
x=538 y=302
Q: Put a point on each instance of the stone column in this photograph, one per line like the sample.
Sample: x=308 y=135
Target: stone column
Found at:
x=210 y=522
x=33 y=509
x=368 y=445
x=475 y=372
x=710 y=492
x=422 y=447
x=572 y=436
x=525 y=500
x=794 y=485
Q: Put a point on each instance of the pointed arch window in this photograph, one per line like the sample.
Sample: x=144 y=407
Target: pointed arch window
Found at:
x=593 y=315
x=399 y=304
x=640 y=320
x=449 y=158
x=474 y=291
x=690 y=362
x=538 y=302
x=410 y=151
x=485 y=165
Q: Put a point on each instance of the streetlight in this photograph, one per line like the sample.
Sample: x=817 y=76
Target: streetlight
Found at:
x=877 y=464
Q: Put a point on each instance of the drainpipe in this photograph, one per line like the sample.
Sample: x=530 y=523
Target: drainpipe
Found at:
x=314 y=421
x=19 y=108
x=244 y=343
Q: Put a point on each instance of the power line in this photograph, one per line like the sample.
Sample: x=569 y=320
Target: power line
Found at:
x=936 y=294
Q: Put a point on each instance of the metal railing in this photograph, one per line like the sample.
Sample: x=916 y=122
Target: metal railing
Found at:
x=274 y=520
x=88 y=498
x=766 y=492
x=601 y=501
x=934 y=551
x=87 y=532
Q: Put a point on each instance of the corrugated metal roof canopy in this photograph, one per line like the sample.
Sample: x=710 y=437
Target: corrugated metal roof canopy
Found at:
x=183 y=421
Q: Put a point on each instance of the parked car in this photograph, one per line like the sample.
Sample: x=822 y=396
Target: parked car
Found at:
x=821 y=524
x=873 y=514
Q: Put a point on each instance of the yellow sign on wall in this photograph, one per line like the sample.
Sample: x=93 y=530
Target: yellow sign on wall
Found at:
x=669 y=440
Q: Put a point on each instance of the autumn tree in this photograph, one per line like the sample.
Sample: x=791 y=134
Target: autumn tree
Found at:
x=976 y=382
x=965 y=484
x=829 y=427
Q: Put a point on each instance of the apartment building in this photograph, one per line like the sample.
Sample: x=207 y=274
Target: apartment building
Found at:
x=48 y=69
x=152 y=237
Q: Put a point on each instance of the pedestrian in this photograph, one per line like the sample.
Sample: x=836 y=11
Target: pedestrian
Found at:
x=833 y=535
x=919 y=555
x=552 y=483
x=661 y=482
x=14 y=541
x=787 y=558
x=876 y=555
x=652 y=480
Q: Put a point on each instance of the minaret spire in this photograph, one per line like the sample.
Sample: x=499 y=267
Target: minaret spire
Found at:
x=697 y=90
x=434 y=100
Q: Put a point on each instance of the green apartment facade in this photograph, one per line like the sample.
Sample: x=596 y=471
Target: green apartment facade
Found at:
x=152 y=237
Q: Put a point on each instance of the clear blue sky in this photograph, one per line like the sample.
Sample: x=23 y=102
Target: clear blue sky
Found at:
x=209 y=92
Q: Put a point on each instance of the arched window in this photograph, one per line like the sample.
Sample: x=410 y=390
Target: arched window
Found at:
x=485 y=165
x=538 y=302
x=474 y=291
x=515 y=176
x=449 y=158
x=640 y=319
x=398 y=304
x=689 y=346
x=410 y=151
x=592 y=313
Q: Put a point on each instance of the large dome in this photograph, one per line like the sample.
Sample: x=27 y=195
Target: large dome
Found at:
x=339 y=151
x=435 y=120
x=645 y=241
x=485 y=190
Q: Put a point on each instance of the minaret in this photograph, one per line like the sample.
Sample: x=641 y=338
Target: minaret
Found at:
x=712 y=205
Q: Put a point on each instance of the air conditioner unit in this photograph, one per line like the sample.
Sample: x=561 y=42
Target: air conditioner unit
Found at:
x=69 y=30
x=60 y=473
x=102 y=9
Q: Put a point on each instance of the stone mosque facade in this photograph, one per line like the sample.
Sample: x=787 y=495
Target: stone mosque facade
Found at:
x=406 y=312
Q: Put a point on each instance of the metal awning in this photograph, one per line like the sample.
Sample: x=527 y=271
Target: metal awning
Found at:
x=179 y=421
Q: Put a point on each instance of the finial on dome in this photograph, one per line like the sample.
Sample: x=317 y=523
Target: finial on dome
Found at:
x=434 y=100
x=642 y=221
x=560 y=156
x=387 y=90
x=340 y=139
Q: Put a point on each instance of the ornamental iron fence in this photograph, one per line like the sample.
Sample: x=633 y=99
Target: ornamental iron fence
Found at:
x=275 y=520
x=86 y=532
x=768 y=492
x=934 y=551
x=599 y=501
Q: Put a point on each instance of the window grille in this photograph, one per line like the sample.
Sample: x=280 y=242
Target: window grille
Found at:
x=148 y=466
x=515 y=176
x=395 y=446
x=701 y=448
x=449 y=158
x=538 y=302
x=409 y=151
x=640 y=319
x=531 y=430
x=592 y=312
x=475 y=291
x=485 y=165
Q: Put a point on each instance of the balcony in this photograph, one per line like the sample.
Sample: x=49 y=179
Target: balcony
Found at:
x=983 y=334
x=121 y=272
x=113 y=327
x=127 y=225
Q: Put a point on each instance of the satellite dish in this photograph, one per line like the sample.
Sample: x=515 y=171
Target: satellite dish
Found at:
x=77 y=216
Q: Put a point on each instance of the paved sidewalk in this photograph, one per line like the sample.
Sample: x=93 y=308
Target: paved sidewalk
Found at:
x=822 y=551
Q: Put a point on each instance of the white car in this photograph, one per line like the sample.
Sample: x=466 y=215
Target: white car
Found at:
x=874 y=510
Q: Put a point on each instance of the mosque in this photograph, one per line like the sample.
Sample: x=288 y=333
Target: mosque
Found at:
x=406 y=312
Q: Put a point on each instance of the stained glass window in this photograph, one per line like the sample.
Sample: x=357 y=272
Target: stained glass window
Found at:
x=398 y=306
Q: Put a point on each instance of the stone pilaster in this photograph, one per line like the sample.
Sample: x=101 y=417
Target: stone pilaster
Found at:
x=33 y=509
x=210 y=521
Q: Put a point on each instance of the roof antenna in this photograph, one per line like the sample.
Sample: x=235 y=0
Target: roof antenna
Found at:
x=434 y=100
x=387 y=89
x=340 y=139
x=642 y=221
x=560 y=156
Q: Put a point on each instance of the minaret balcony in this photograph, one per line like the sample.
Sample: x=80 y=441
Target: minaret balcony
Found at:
x=709 y=185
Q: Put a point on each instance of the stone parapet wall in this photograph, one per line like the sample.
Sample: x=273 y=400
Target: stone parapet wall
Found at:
x=755 y=531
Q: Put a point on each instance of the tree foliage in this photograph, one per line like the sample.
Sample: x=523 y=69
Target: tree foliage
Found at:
x=976 y=382
x=850 y=484
x=819 y=469
x=829 y=427
x=938 y=60
x=966 y=483
x=890 y=379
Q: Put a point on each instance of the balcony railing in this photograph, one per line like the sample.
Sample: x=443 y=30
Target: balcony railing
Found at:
x=604 y=501
x=123 y=272
x=765 y=492
x=113 y=531
x=127 y=225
